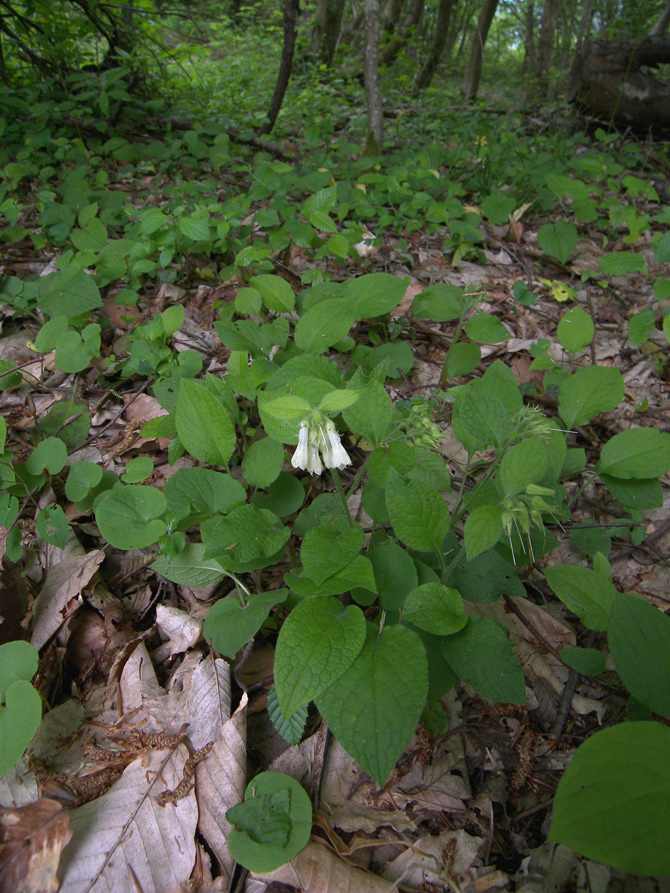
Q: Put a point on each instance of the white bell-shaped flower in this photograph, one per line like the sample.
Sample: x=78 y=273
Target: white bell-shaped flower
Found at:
x=336 y=456
x=301 y=456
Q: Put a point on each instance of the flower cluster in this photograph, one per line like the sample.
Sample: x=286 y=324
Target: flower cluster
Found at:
x=525 y=511
x=318 y=434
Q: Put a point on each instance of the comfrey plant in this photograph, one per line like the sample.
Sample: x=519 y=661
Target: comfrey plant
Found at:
x=319 y=434
x=372 y=615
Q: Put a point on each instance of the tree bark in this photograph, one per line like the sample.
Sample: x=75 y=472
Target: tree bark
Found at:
x=326 y=31
x=529 y=41
x=425 y=76
x=612 y=80
x=661 y=25
x=585 y=25
x=400 y=37
x=545 y=44
x=373 y=95
x=291 y=9
x=391 y=15
x=473 y=71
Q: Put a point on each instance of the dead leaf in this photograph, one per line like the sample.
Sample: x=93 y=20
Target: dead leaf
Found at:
x=31 y=840
x=125 y=841
x=63 y=586
x=220 y=782
x=317 y=870
x=181 y=630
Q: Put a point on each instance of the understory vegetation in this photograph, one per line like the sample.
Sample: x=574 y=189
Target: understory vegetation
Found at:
x=378 y=438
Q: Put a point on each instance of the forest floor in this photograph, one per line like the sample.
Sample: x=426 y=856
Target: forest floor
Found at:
x=122 y=653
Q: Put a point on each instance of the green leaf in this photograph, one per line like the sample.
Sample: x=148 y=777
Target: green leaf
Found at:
x=375 y=294
x=586 y=593
x=19 y=720
x=287 y=408
x=441 y=303
x=575 y=330
x=523 y=464
x=640 y=494
x=189 y=568
x=483 y=529
x=81 y=479
x=52 y=526
x=463 y=359
x=204 y=427
x=230 y=625
x=283 y=497
x=128 y=518
x=138 y=470
x=374 y=707
x=559 y=240
x=276 y=293
x=319 y=641
x=482 y=656
x=498 y=207
x=201 y=491
x=591 y=540
x=324 y=324
x=662 y=251
x=486 y=329
x=336 y=401
x=587 y=661
x=641 y=326
x=18 y=660
x=435 y=609
x=589 y=391
x=49 y=455
x=486 y=578
x=290 y=729
x=371 y=416
x=326 y=551
x=419 y=515
x=611 y=803
x=639 y=639
x=637 y=453
x=262 y=462
x=621 y=263
x=69 y=293
x=272 y=825
x=357 y=574
x=247 y=539
x=195 y=227
x=483 y=420
x=394 y=573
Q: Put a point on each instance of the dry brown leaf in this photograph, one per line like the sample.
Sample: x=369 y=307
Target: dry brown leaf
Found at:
x=317 y=870
x=454 y=852
x=220 y=782
x=125 y=841
x=181 y=630
x=63 y=586
x=31 y=840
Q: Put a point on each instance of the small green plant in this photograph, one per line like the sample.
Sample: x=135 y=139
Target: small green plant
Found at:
x=20 y=704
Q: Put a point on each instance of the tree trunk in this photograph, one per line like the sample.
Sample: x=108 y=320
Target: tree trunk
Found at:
x=425 y=76
x=388 y=55
x=545 y=44
x=373 y=94
x=661 y=25
x=284 y=73
x=391 y=15
x=585 y=25
x=529 y=41
x=326 y=31
x=473 y=71
x=612 y=80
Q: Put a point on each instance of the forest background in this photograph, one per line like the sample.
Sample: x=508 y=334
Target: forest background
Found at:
x=334 y=375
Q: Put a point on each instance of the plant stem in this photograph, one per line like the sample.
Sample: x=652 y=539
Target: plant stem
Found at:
x=343 y=496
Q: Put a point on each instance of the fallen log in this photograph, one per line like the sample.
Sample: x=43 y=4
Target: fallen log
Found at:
x=614 y=80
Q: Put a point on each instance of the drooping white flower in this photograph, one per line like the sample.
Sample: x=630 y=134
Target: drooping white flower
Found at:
x=317 y=434
x=336 y=456
x=301 y=456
